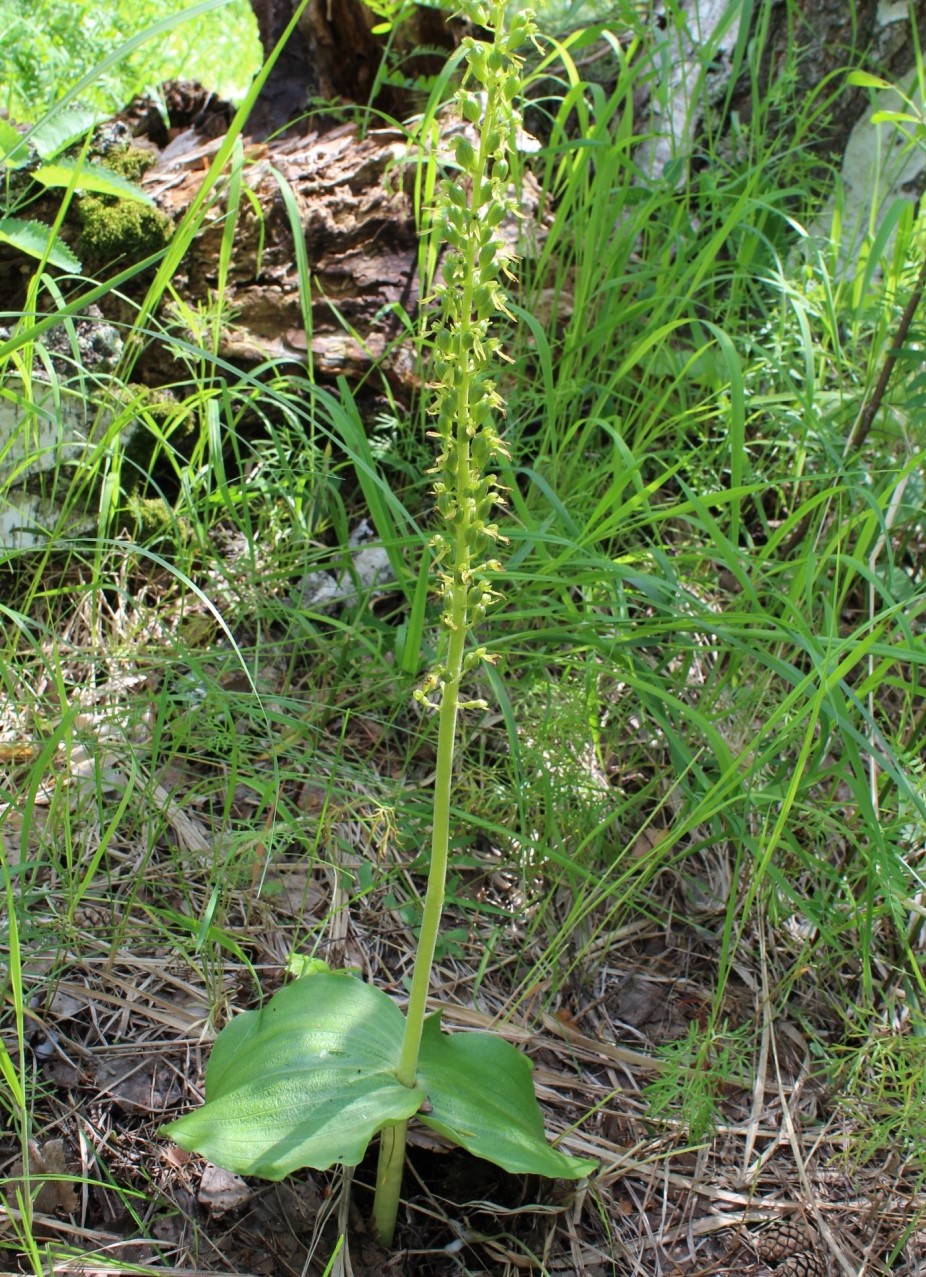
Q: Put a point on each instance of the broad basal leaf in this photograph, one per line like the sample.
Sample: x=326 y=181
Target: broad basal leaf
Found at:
x=310 y=1079
x=32 y=238
x=90 y=178
x=480 y=1095
x=306 y=1081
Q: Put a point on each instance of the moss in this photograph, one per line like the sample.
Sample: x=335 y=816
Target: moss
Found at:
x=128 y=161
x=158 y=402
x=120 y=228
x=149 y=519
x=145 y=415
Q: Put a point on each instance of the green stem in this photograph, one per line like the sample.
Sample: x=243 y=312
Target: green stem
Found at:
x=389 y=1181
x=392 y=1139
x=458 y=621
x=440 y=850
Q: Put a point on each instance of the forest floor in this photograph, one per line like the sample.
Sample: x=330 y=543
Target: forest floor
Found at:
x=192 y=902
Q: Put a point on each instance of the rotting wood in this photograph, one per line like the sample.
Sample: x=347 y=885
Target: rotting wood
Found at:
x=361 y=239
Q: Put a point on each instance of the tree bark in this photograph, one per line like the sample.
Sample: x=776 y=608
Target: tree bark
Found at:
x=334 y=55
x=361 y=242
x=810 y=42
x=357 y=222
x=795 y=52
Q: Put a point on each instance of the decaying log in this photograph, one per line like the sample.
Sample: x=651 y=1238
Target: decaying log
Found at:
x=357 y=221
x=361 y=242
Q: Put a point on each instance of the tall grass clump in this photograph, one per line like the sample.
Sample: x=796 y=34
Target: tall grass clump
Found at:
x=120 y=671
x=683 y=396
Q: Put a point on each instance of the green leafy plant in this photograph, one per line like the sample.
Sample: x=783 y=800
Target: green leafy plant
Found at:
x=38 y=163
x=330 y=1062
x=50 y=43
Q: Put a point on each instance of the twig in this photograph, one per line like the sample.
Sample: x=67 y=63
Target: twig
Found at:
x=862 y=426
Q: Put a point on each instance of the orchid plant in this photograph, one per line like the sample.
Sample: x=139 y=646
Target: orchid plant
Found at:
x=329 y=1062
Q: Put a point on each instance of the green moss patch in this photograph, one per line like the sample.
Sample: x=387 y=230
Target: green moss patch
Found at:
x=129 y=161
x=113 y=228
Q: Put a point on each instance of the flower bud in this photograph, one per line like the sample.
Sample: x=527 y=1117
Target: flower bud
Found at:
x=465 y=155
x=495 y=213
x=470 y=107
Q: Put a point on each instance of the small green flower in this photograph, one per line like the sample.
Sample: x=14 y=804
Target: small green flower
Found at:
x=473 y=204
